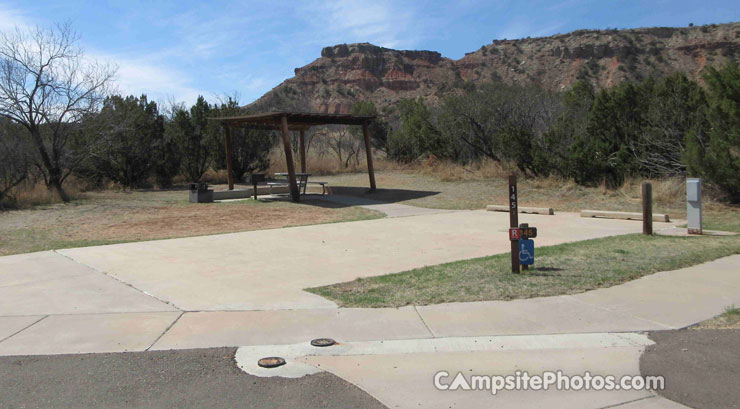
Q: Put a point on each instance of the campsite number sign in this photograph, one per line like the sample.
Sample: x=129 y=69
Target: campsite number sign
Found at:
x=520 y=235
x=527 y=232
x=514 y=233
x=512 y=198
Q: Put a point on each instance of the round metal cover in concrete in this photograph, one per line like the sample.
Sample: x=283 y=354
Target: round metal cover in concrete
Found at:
x=271 y=362
x=323 y=342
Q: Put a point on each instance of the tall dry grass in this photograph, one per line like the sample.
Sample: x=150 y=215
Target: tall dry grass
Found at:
x=451 y=171
x=666 y=192
x=36 y=193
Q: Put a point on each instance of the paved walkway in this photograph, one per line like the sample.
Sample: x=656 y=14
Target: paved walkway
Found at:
x=213 y=291
x=390 y=209
x=245 y=289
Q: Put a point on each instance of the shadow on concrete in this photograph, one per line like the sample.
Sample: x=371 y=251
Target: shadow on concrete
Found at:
x=382 y=195
x=346 y=196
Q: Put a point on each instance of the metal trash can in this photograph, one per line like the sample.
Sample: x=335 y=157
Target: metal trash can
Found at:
x=200 y=193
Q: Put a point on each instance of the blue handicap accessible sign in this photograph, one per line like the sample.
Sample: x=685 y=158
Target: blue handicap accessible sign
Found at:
x=526 y=252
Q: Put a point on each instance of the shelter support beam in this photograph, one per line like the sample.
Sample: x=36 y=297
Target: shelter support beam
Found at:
x=303 y=150
x=294 y=192
x=369 y=152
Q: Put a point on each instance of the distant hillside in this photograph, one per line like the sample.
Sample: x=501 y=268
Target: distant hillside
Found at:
x=349 y=72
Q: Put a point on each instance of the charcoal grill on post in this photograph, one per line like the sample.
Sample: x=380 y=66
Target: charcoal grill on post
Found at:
x=256 y=178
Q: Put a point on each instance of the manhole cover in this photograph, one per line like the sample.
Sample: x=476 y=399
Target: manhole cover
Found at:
x=323 y=342
x=271 y=362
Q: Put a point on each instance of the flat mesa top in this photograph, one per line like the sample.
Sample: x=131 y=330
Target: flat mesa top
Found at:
x=304 y=119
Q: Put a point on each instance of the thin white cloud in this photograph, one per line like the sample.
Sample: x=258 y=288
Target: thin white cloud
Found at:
x=382 y=22
x=136 y=76
x=11 y=18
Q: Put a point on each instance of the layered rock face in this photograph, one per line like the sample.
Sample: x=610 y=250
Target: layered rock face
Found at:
x=347 y=73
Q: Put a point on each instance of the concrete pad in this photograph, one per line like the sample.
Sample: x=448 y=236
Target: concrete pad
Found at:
x=206 y=329
x=247 y=357
x=49 y=283
x=406 y=380
x=11 y=325
x=223 y=272
x=82 y=333
x=664 y=299
x=547 y=315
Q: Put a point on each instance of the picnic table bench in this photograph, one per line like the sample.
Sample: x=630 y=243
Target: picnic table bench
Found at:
x=302 y=181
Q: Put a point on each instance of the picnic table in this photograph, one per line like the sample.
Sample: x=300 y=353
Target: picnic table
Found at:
x=302 y=181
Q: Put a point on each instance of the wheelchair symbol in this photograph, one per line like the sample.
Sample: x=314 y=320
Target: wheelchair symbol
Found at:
x=524 y=256
x=526 y=252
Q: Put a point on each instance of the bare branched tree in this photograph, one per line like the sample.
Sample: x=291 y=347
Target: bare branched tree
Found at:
x=14 y=158
x=346 y=146
x=48 y=87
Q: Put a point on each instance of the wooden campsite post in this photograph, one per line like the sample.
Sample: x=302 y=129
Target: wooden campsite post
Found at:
x=514 y=222
x=647 y=209
x=294 y=192
x=229 y=174
x=369 y=152
x=303 y=150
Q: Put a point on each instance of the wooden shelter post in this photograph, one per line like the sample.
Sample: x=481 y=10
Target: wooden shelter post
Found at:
x=294 y=192
x=369 y=152
x=303 y=150
x=229 y=173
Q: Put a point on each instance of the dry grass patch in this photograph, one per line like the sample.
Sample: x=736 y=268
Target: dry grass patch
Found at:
x=730 y=319
x=425 y=188
x=561 y=269
x=113 y=217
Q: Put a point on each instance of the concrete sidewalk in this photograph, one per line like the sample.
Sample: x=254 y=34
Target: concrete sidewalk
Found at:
x=665 y=300
x=213 y=291
x=217 y=291
x=406 y=380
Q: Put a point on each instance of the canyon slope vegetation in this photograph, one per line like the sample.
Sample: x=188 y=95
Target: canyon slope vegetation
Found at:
x=347 y=73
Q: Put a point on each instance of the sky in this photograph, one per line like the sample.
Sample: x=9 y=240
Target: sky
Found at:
x=177 y=50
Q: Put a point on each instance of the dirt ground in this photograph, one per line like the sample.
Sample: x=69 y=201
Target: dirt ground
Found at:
x=114 y=216
x=111 y=217
x=417 y=188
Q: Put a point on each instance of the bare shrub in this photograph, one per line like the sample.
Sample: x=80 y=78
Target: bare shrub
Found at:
x=48 y=87
x=15 y=160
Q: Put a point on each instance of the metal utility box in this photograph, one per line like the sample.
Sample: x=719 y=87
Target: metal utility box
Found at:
x=693 y=206
x=200 y=193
